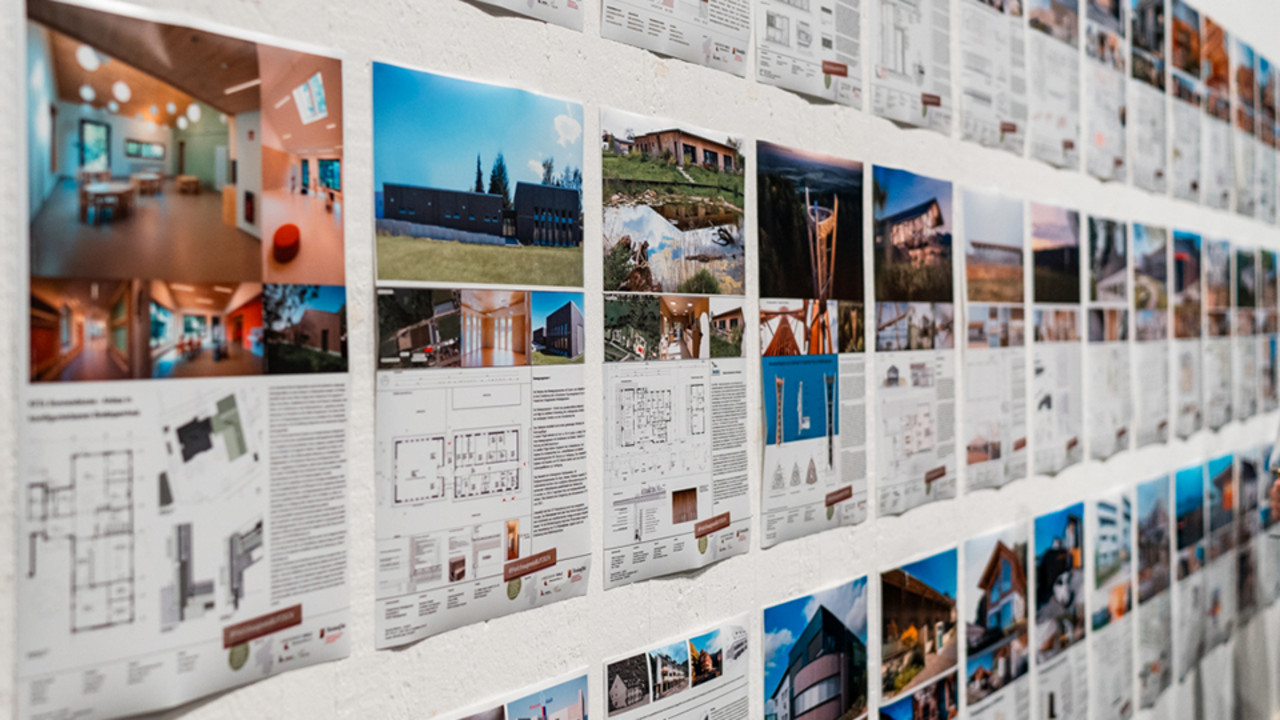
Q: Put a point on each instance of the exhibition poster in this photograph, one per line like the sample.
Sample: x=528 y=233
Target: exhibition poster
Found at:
x=993 y=75
x=915 y=374
x=1151 y=414
x=480 y=454
x=565 y=699
x=1061 y=658
x=812 y=48
x=183 y=523
x=676 y=488
x=1188 y=91
x=919 y=639
x=692 y=677
x=795 y=678
x=812 y=329
x=1220 y=565
x=995 y=351
x=1218 y=361
x=1057 y=388
x=1106 y=52
x=911 y=62
x=1246 y=333
x=1192 y=616
x=713 y=33
x=1155 y=632
x=995 y=614
x=1054 y=82
x=1147 y=156
x=1187 y=325
x=1268 y=320
x=1243 y=146
x=565 y=13
x=1264 y=164
x=1216 y=166
x=1111 y=605
x=1268 y=539
x=1110 y=402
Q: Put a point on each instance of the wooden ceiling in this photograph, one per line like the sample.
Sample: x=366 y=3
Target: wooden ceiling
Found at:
x=193 y=63
x=146 y=91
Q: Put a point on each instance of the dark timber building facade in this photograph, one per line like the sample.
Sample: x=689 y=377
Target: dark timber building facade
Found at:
x=540 y=214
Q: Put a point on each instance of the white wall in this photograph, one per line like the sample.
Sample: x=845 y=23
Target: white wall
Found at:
x=445 y=673
x=248 y=155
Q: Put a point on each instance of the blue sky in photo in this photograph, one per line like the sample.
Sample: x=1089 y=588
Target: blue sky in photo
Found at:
x=710 y=641
x=1053 y=226
x=1051 y=526
x=552 y=699
x=330 y=298
x=905 y=190
x=1190 y=489
x=977 y=553
x=678 y=651
x=936 y=571
x=993 y=219
x=1145 y=241
x=785 y=622
x=1185 y=12
x=543 y=304
x=900 y=710
x=1151 y=494
x=428 y=129
x=804 y=376
x=1216 y=467
x=985 y=659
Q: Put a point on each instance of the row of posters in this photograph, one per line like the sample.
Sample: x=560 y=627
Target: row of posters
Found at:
x=1201 y=102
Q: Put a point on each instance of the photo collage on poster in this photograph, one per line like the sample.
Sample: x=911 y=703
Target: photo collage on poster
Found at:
x=911 y=62
x=812 y=342
x=675 y=388
x=1106 y=52
x=684 y=679
x=1264 y=170
x=1246 y=318
x=1220 y=562
x=1151 y=415
x=1053 y=73
x=1154 y=618
x=919 y=639
x=1216 y=167
x=993 y=78
x=995 y=355
x=1188 y=92
x=1147 y=66
x=1110 y=403
x=1061 y=658
x=481 y=471
x=1057 y=419
x=187 y=327
x=915 y=409
x=1110 y=606
x=796 y=678
x=1245 y=105
x=997 y=641
x=1217 y=359
x=1188 y=323
x=563 y=700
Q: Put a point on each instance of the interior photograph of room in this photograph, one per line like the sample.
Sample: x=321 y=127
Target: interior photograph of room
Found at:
x=685 y=328
x=205 y=330
x=153 y=154
x=495 y=328
x=87 y=330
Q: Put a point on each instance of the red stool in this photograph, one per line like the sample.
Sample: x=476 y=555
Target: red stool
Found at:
x=286 y=242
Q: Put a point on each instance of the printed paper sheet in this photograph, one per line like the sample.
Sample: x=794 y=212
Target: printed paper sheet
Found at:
x=1054 y=82
x=993 y=74
x=1057 y=392
x=1152 y=418
x=1147 y=68
x=911 y=62
x=713 y=33
x=813 y=47
x=1110 y=404
x=998 y=645
x=689 y=678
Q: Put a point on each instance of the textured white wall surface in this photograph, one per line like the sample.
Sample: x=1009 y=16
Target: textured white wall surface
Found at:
x=445 y=673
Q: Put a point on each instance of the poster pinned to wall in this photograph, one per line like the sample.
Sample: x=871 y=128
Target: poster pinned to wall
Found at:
x=688 y=678
x=565 y=13
x=1106 y=52
x=1053 y=74
x=794 y=677
x=915 y=370
x=1192 y=615
x=995 y=351
x=1244 y=70
x=1148 y=160
x=1220 y=562
x=1264 y=177
x=1110 y=402
x=993 y=78
x=919 y=639
x=911 y=62
x=1218 y=361
x=170 y=548
x=480 y=452
x=676 y=489
x=1188 y=91
x=812 y=330
x=1217 y=175
x=812 y=49
x=1246 y=352
x=565 y=699
x=1151 y=414
x=1188 y=322
x=1057 y=394
x=1110 y=605
x=1268 y=324
x=712 y=33
x=1155 y=633
x=995 y=615
x=1061 y=657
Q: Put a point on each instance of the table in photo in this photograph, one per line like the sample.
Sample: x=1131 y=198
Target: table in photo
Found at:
x=85 y=176
x=148 y=183
x=114 y=196
x=188 y=184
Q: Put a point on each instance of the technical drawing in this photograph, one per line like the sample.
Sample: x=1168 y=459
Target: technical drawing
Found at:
x=421 y=468
x=486 y=462
x=697 y=409
x=93 y=514
x=208 y=443
x=244 y=549
x=644 y=416
x=186 y=598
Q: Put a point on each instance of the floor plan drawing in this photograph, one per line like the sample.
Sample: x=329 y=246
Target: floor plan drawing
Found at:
x=244 y=549
x=697 y=409
x=644 y=415
x=421 y=468
x=92 y=512
x=185 y=598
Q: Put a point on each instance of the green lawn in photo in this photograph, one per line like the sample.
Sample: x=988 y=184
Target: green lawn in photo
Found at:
x=283 y=358
x=903 y=282
x=410 y=258
x=630 y=175
x=541 y=358
x=1052 y=286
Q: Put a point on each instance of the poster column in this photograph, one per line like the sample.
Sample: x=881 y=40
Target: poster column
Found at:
x=1188 y=92
x=993 y=78
x=1061 y=656
x=1151 y=334
x=812 y=329
x=1056 y=391
x=1247 y=333
x=998 y=646
x=481 y=462
x=1243 y=73
x=1191 y=608
x=1264 y=180
x=1187 y=327
x=1148 y=155
x=1219 y=389
x=915 y=381
x=1110 y=398
x=1106 y=52
x=676 y=489
x=1053 y=76
x=1217 y=670
x=919 y=641
x=1110 y=606
x=911 y=62
x=995 y=351
x=1216 y=169
x=1155 y=629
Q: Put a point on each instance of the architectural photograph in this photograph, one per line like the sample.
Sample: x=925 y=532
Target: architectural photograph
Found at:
x=673 y=207
x=1153 y=538
x=1057 y=18
x=461 y=194
x=727 y=327
x=797 y=327
x=913 y=237
x=815 y=645
x=304 y=328
x=495 y=328
x=996 y=610
x=89 y=330
x=632 y=328
x=566 y=701
x=1189 y=493
x=1055 y=247
x=993 y=248
x=627 y=684
x=1186 y=285
x=914 y=326
x=419 y=327
x=669 y=670
x=936 y=701
x=1108 y=261
x=1222 y=505
x=1059 y=543
x=558 y=334
x=918 y=623
x=206 y=330
x=1112 y=560
x=1150 y=267
x=706 y=657
x=159 y=162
